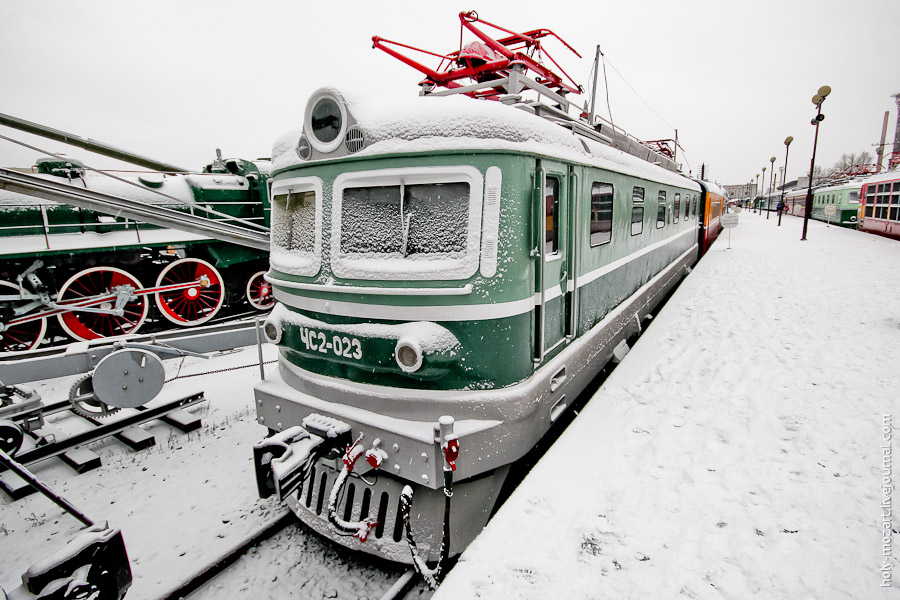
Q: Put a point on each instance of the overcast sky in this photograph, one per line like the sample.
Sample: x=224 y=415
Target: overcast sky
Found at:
x=176 y=79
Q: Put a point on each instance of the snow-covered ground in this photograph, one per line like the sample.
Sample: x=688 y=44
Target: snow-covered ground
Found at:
x=186 y=501
x=740 y=449
x=737 y=452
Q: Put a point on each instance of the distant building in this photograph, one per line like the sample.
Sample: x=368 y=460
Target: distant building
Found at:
x=736 y=192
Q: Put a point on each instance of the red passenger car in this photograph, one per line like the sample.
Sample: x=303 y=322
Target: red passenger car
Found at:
x=712 y=206
x=879 y=206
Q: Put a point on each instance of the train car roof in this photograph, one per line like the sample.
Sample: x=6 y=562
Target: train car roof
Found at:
x=878 y=178
x=432 y=124
x=853 y=184
x=715 y=188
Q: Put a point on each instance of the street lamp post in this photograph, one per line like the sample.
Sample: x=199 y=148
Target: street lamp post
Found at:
x=787 y=147
x=761 y=190
x=818 y=99
x=755 y=191
x=771 y=186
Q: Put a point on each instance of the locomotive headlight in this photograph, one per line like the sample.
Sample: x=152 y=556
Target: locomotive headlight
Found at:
x=272 y=329
x=408 y=354
x=326 y=120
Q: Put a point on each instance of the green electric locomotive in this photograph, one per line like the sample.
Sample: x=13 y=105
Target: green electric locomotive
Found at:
x=450 y=274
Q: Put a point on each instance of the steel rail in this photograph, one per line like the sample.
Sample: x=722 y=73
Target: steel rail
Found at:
x=213 y=569
x=39 y=453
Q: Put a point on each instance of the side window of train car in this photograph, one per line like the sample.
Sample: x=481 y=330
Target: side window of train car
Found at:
x=601 y=213
x=676 y=205
x=661 y=211
x=882 y=200
x=551 y=224
x=637 y=220
x=695 y=206
x=895 y=200
x=870 y=200
x=637 y=195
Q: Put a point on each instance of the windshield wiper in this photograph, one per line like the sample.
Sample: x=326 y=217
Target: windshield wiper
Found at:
x=404 y=221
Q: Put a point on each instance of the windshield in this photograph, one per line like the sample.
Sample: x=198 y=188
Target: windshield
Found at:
x=405 y=219
x=293 y=221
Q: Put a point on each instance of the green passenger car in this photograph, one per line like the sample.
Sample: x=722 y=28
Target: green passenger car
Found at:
x=837 y=204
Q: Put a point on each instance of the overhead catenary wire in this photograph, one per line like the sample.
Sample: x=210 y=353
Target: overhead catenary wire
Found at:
x=641 y=98
x=591 y=75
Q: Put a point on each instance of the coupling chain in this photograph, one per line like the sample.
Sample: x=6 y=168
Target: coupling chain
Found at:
x=268 y=362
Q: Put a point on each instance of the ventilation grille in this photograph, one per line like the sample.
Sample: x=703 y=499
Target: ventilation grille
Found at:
x=354 y=140
x=354 y=506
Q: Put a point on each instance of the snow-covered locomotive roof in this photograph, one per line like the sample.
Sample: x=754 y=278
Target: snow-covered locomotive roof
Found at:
x=433 y=124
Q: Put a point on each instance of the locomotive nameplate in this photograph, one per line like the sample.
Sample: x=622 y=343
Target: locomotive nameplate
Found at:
x=339 y=345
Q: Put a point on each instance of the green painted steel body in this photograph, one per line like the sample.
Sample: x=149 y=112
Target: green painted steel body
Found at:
x=844 y=199
x=494 y=352
x=501 y=332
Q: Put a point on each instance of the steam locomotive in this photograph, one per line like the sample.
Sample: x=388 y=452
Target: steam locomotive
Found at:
x=74 y=273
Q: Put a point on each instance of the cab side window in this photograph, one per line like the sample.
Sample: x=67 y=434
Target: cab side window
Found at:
x=551 y=222
x=601 y=213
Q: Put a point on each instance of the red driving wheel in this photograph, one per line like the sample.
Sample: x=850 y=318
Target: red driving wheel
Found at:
x=195 y=304
x=20 y=336
x=259 y=292
x=101 y=281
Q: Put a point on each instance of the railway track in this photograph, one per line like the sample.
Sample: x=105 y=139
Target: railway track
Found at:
x=323 y=570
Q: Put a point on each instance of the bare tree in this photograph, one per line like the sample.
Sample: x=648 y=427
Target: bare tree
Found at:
x=849 y=160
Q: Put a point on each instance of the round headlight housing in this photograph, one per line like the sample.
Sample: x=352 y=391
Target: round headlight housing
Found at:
x=408 y=355
x=326 y=121
x=272 y=330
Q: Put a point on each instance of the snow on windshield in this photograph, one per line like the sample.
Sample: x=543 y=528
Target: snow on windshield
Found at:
x=294 y=221
x=411 y=219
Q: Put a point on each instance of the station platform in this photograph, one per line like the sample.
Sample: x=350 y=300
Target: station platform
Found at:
x=742 y=449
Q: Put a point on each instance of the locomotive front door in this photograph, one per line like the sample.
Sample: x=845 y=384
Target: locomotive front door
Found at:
x=552 y=209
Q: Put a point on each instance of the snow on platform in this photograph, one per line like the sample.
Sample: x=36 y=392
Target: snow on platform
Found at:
x=737 y=452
